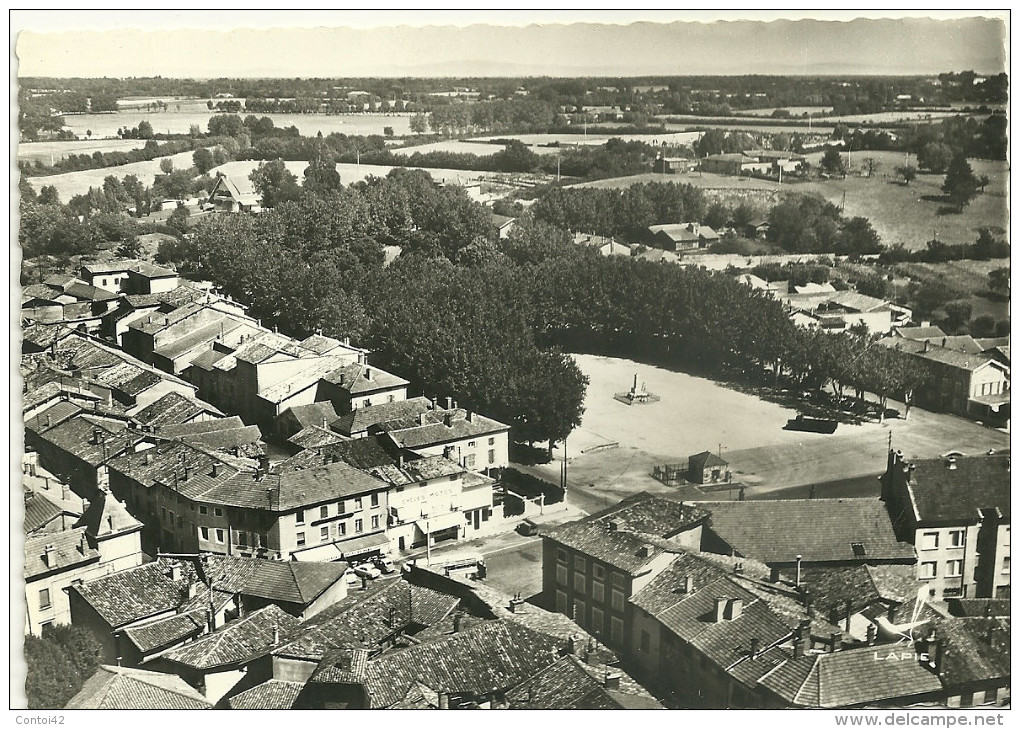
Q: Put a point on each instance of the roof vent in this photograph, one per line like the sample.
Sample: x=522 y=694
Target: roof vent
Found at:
x=951 y=463
x=613 y=525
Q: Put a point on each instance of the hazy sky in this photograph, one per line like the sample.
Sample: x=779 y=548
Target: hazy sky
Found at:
x=493 y=43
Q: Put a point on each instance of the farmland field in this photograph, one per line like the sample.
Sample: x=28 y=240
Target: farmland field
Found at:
x=173 y=122
x=49 y=152
x=70 y=184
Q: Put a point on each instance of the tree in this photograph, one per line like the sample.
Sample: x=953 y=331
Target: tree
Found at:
x=516 y=157
x=857 y=238
x=957 y=314
x=178 y=219
x=960 y=185
x=145 y=130
x=832 y=162
x=419 y=123
x=935 y=157
x=908 y=173
x=274 y=183
x=998 y=281
x=48 y=195
x=321 y=176
x=130 y=248
x=387 y=131
x=58 y=663
x=203 y=160
x=166 y=165
x=871 y=164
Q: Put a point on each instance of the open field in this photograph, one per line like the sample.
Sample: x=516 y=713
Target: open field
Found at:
x=794 y=110
x=906 y=215
x=173 y=122
x=50 y=152
x=70 y=184
x=696 y=414
x=459 y=146
x=594 y=138
x=968 y=277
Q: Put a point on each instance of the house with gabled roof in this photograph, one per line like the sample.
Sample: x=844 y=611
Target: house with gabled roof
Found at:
x=955 y=510
x=234 y=194
x=214 y=663
x=971 y=656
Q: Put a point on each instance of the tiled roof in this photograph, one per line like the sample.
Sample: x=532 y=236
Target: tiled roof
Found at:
x=562 y=685
x=76 y=437
x=977 y=649
x=128 y=379
x=166 y=463
x=54 y=415
x=314 y=436
x=491 y=656
x=668 y=587
x=123 y=597
x=321 y=344
x=704 y=459
x=106 y=516
x=417 y=470
x=116 y=687
x=935 y=353
x=321 y=483
x=361 y=419
x=236 y=643
x=247 y=437
x=44 y=335
x=70 y=549
x=198 y=427
x=435 y=430
x=919 y=333
x=631 y=533
x=943 y=494
x=821 y=530
x=39 y=511
x=271 y=695
x=160 y=634
x=292 y=582
x=314 y=413
x=172 y=409
x=849 y=678
x=750 y=669
x=363 y=618
x=354 y=379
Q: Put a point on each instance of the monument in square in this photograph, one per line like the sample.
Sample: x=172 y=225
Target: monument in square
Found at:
x=637 y=395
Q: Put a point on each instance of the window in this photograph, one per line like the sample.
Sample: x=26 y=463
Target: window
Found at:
x=598 y=592
x=242 y=539
x=579 y=563
x=44 y=599
x=359 y=526
x=598 y=571
x=391 y=398
x=492 y=456
x=367 y=403
x=299 y=516
x=221 y=536
x=596 y=621
x=561 y=555
x=561 y=602
x=203 y=510
x=618 y=600
x=1005 y=565
x=340 y=507
x=324 y=534
x=930 y=540
x=180 y=522
x=561 y=574
x=217 y=511
x=471 y=444
x=616 y=630
x=323 y=512
x=578 y=582
x=104 y=282
x=492 y=441
x=928 y=570
x=375 y=522
x=357 y=503
x=375 y=499
x=341 y=529
x=954 y=568
x=646 y=641
x=956 y=538
x=300 y=539
x=579 y=612
x=204 y=533
x=619 y=579
x=162 y=511
x=469 y=461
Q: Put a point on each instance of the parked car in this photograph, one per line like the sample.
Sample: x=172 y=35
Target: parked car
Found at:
x=527 y=528
x=385 y=565
x=368 y=570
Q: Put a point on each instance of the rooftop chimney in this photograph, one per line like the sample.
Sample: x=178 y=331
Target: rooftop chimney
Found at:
x=368 y=374
x=97 y=436
x=215 y=469
x=175 y=571
x=444 y=700
x=49 y=558
x=688 y=585
x=720 y=609
x=448 y=419
x=612 y=681
x=835 y=642
x=421 y=418
x=774 y=573
x=457 y=619
x=755 y=647
x=735 y=607
x=645 y=551
x=449 y=403
x=951 y=465
x=147 y=458
x=572 y=645
x=187 y=473
x=925 y=346
x=470 y=416
x=872 y=634
x=83 y=544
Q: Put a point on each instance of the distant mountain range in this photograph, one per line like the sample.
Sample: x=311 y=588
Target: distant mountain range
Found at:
x=907 y=46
